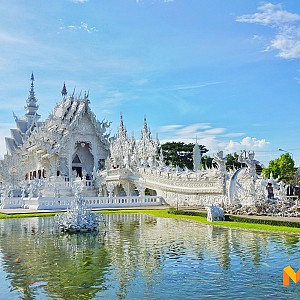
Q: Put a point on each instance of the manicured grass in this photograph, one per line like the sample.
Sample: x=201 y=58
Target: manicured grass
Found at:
x=9 y=216
x=199 y=219
x=165 y=214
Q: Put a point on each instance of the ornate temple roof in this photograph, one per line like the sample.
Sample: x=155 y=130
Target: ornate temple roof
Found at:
x=31 y=107
x=48 y=136
x=25 y=125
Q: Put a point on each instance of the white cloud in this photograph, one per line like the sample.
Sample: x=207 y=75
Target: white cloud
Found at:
x=196 y=86
x=214 y=131
x=248 y=143
x=288 y=44
x=192 y=130
x=287 y=36
x=169 y=128
x=257 y=37
x=213 y=138
x=82 y=27
x=270 y=14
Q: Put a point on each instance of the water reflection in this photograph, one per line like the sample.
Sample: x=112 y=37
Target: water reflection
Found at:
x=69 y=266
x=141 y=257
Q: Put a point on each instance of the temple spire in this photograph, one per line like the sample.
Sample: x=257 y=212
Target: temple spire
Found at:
x=157 y=140
x=145 y=123
x=121 y=121
x=31 y=97
x=122 y=130
x=64 y=91
x=31 y=106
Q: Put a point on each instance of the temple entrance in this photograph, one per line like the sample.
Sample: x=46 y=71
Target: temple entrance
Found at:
x=83 y=160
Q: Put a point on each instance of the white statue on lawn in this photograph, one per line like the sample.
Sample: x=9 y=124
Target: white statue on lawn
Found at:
x=215 y=213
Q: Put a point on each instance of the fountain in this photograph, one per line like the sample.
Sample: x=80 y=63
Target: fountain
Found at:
x=79 y=218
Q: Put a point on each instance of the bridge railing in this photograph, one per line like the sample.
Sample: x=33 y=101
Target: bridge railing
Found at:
x=11 y=202
x=57 y=203
x=126 y=201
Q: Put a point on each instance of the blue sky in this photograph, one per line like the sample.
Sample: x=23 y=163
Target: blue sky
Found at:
x=226 y=72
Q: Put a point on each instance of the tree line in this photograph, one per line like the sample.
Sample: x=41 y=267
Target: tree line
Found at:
x=181 y=154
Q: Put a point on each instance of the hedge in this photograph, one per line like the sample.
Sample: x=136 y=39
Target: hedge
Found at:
x=235 y=218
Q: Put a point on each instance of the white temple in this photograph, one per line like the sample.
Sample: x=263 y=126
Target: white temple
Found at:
x=45 y=160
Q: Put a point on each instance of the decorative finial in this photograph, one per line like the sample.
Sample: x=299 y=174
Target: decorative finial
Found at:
x=15 y=117
x=31 y=105
x=157 y=139
x=64 y=91
x=145 y=122
x=121 y=120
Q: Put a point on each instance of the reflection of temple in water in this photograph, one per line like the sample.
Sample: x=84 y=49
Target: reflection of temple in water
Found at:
x=137 y=250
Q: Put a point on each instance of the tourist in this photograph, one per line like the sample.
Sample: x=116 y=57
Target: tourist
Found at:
x=269 y=188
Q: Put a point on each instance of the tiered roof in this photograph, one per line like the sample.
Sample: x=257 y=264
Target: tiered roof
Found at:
x=48 y=136
x=26 y=124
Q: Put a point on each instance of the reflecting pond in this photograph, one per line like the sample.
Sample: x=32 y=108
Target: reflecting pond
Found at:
x=137 y=256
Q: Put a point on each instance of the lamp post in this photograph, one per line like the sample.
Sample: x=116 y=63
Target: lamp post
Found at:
x=279 y=149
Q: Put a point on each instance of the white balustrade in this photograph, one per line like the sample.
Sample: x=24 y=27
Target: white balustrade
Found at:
x=131 y=201
x=55 y=203
x=13 y=202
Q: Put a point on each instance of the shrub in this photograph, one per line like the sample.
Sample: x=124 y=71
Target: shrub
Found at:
x=240 y=219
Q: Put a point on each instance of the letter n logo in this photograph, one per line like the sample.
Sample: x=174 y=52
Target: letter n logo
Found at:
x=288 y=273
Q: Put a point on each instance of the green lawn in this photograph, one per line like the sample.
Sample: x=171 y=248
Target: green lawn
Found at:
x=165 y=214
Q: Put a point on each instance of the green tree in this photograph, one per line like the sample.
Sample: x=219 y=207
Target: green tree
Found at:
x=180 y=154
x=232 y=161
x=282 y=168
x=207 y=161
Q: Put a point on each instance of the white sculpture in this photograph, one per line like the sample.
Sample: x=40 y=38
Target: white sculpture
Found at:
x=220 y=161
x=197 y=157
x=215 y=213
x=79 y=218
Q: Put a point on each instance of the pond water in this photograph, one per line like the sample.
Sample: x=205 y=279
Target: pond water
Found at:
x=137 y=256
